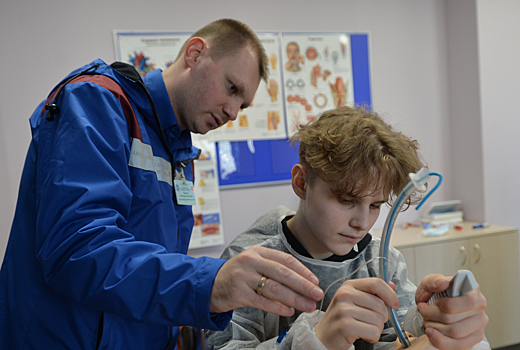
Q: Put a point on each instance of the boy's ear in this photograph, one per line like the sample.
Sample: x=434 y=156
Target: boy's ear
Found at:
x=299 y=183
x=193 y=50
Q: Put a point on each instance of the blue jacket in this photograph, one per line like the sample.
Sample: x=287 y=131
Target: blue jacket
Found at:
x=96 y=258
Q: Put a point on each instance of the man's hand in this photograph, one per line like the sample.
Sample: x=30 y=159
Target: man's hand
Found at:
x=358 y=310
x=289 y=284
x=453 y=323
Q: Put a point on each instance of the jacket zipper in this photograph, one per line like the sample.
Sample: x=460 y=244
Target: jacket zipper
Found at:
x=170 y=338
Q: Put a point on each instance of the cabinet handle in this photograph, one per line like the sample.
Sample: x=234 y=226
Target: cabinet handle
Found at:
x=477 y=249
x=463 y=251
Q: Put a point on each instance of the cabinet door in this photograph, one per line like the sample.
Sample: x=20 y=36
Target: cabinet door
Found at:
x=409 y=258
x=495 y=264
x=444 y=258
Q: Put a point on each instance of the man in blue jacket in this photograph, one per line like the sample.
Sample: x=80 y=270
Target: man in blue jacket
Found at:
x=96 y=257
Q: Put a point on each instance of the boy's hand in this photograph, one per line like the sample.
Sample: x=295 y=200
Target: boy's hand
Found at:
x=421 y=343
x=289 y=285
x=358 y=310
x=453 y=323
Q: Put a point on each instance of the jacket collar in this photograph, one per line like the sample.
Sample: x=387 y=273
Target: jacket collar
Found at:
x=177 y=138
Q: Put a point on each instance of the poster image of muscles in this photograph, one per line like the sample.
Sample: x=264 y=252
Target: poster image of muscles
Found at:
x=317 y=74
x=264 y=118
x=207 y=210
x=148 y=51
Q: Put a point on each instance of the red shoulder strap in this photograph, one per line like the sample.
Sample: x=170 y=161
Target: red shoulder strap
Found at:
x=117 y=91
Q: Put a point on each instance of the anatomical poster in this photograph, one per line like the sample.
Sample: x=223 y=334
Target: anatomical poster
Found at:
x=317 y=72
x=264 y=119
x=148 y=51
x=208 y=230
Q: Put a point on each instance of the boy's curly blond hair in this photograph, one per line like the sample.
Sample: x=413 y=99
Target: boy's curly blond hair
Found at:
x=355 y=151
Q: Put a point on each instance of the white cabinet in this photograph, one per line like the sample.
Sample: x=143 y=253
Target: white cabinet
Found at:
x=490 y=253
x=495 y=262
x=444 y=258
x=409 y=257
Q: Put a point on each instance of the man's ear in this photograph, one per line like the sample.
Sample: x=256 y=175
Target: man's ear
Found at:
x=299 y=180
x=193 y=50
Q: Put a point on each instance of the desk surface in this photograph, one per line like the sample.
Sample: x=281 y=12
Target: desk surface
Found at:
x=414 y=236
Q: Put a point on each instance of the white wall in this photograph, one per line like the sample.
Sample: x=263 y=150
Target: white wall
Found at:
x=499 y=54
x=465 y=114
x=43 y=41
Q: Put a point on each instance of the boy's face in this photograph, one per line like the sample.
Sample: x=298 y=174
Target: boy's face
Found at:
x=333 y=224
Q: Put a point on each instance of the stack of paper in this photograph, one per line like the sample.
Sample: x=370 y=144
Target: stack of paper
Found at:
x=448 y=212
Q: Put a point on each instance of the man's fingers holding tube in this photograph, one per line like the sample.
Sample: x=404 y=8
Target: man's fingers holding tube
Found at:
x=284 y=269
x=287 y=285
x=276 y=295
x=283 y=265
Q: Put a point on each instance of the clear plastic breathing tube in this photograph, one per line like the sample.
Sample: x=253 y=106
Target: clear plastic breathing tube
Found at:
x=417 y=182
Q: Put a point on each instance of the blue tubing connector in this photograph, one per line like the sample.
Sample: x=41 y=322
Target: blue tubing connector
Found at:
x=417 y=181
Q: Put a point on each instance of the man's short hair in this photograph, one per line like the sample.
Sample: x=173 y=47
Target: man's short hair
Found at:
x=354 y=151
x=228 y=36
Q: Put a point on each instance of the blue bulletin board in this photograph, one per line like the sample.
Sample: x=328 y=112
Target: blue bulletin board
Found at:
x=266 y=162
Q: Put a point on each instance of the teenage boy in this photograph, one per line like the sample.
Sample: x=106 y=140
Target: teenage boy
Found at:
x=351 y=163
